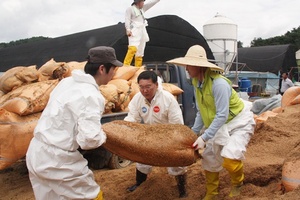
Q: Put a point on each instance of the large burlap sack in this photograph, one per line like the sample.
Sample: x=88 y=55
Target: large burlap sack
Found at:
x=135 y=88
x=15 y=135
x=124 y=94
x=76 y=65
x=264 y=116
x=125 y=72
x=278 y=110
x=173 y=89
x=168 y=145
x=17 y=76
x=28 y=99
x=111 y=94
x=134 y=84
x=291 y=96
x=137 y=73
x=53 y=70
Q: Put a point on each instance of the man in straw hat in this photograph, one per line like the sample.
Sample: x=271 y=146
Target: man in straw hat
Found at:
x=135 y=24
x=227 y=120
x=71 y=119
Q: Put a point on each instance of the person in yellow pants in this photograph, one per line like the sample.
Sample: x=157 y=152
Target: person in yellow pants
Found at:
x=227 y=121
x=135 y=24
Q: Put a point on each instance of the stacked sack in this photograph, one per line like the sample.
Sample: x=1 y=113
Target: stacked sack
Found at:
x=24 y=94
x=25 y=91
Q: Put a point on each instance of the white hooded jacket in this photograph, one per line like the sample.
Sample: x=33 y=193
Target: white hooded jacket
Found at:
x=163 y=109
x=70 y=120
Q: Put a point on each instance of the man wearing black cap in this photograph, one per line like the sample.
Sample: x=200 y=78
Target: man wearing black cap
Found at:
x=135 y=24
x=71 y=119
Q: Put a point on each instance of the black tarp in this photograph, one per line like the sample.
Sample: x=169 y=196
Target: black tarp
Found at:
x=170 y=37
x=273 y=58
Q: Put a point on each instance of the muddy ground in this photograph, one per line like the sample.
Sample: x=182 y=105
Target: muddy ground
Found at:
x=274 y=141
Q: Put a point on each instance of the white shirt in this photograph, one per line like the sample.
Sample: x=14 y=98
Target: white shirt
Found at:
x=162 y=109
x=72 y=115
x=286 y=84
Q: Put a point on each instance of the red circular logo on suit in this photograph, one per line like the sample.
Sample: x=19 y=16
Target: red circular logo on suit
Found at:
x=156 y=109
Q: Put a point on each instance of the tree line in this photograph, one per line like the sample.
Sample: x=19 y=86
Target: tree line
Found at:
x=22 y=41
x=290 y=37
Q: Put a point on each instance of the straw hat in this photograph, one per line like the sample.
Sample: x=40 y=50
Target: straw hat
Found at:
x=195 y=56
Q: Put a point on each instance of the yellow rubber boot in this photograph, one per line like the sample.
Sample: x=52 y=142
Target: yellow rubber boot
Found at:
x=236 y=172
x=138 y=61
x=99 y=196
x=212 y=184
x=129 y=56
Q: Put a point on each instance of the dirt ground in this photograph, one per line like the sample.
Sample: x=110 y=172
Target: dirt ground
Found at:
x=274 y=141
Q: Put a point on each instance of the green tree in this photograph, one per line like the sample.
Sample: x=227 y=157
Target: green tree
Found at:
x=22 y=41
x=290 y=37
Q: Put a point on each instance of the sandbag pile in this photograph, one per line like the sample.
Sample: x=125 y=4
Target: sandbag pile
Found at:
x=25 y=91
x=126 y=86
x=15 y=135
x=167 y=145
x=17 y=76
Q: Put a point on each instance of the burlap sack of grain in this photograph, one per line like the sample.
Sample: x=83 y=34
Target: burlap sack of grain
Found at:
x=264 y=116
x=17 y=76
x=111 y=94
x=15 y=135
x=134 y=84
x=135 y=88
x=291 y=96
x=173 y=89
x=28 y=99
x=124 y=93
x=125 y=72
x=1 y=93
x=278 y=110
x=167 y=145
x=291 y=170
x=137 y=73
x=122 y=103
x=53 y=70
x=76 y=65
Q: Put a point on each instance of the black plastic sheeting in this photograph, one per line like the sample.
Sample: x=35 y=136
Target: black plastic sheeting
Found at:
x=170 y=37
x=273 y=58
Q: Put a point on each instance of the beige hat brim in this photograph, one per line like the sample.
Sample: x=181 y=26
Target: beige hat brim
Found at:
x=192 y=61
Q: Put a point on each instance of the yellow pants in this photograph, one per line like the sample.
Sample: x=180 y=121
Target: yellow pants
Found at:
x=100 y=196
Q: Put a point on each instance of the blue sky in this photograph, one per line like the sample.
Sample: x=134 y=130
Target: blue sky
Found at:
x=20 y=19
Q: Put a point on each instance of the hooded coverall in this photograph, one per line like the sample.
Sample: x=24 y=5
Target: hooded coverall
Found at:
x=162 y=109
x=136 y=23
x=71 y=119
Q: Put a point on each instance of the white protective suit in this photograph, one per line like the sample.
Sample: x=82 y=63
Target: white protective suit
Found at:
x=230 y=140
x=163 y=109
x=71 y=119
x=136 y=23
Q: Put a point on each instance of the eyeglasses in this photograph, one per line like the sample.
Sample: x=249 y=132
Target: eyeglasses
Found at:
x=146 y=87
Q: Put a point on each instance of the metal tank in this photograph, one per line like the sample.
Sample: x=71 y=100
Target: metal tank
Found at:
x=221 y=36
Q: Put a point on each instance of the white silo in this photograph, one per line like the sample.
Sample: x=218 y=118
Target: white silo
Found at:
x=221 y=36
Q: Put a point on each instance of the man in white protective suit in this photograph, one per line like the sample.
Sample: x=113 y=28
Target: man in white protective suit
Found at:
x=227 y=120
x=71 y=119
x=135 y=24
x=153 y=105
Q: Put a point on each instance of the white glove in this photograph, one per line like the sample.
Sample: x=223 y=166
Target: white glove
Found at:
x=199 y=143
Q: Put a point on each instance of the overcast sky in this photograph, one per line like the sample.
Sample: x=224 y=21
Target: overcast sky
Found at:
x=20 y=19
